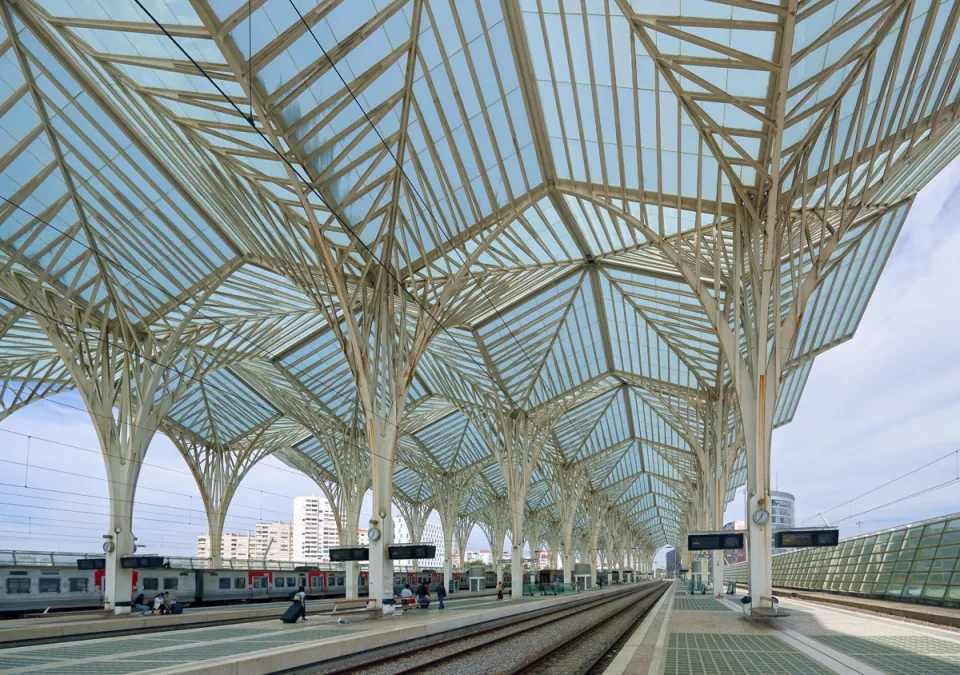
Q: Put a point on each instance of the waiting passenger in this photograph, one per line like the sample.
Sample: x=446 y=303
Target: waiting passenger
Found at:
x=441 y=594
x=157 y=603
x=405 y=595
x=499 y=590
x=167 y=602
x=139 y=603
x=423 y=596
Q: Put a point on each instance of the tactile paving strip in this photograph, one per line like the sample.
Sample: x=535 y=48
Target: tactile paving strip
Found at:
x=699 y=604
x=718 y=654
x=914 y=655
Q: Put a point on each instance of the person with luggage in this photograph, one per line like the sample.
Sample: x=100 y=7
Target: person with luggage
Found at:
x=441 y=594
x=499 y=590
x=297 y=609
x=157 y=603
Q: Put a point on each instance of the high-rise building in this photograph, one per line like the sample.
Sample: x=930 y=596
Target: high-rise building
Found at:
x=673 y=562
x=273 y=541
x=314 y=529
x=432 y=534
x=782 y=513
x=362 y=538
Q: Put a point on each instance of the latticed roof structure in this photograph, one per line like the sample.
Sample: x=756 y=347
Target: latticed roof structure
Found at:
x=282 y=226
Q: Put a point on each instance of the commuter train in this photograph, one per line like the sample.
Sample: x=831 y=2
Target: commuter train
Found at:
x=30 y=588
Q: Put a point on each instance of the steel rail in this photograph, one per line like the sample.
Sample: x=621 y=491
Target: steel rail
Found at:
x=538 y=619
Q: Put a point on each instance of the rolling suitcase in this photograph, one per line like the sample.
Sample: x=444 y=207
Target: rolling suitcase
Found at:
x=292 y=613
x=176 y=608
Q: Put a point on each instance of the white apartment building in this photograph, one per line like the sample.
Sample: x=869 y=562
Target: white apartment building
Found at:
x=314 y=529
x=253 y=546
x=273 y=541
x=362 y=538
x=432 y=534
x=232 y=545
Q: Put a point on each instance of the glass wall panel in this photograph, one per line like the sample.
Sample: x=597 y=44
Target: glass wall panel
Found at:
x=916 y=562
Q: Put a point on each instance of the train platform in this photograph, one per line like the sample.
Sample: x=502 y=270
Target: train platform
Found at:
x=86 y=625
x=701 y=635
x=269 y=645
x=943 y=616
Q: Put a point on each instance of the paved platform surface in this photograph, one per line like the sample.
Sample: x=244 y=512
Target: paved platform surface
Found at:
x=944 y=616
x=263 y=646
x=69 y=625
x=697 y=635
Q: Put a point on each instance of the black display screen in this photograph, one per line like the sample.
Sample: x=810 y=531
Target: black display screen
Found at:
x=141 y=562
x=806 y=538
x=411 y=551
x=91 y=563
x=347 y=554
x=715 y=541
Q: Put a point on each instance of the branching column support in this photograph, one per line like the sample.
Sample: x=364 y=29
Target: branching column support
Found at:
x=517 y=443
x=567 y=483
x=495 y=523
x=415 y=514
x=219 y=468
x=448 y=491
x=384 y=338
x=597 y=508
x=465 y=525
x=128 y=380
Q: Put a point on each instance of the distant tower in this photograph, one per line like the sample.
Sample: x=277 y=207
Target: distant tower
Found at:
x=783 y=512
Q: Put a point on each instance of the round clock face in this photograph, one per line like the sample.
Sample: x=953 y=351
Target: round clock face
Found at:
x=761 y=516
x=107 y=546
x=373 y=534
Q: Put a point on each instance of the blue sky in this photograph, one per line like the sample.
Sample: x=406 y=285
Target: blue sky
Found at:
x=874 y=408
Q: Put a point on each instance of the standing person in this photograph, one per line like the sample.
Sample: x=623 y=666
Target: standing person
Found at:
x=302 y=597
x=441 y=594
x=600 y=583
x=499 y=590
x=139 y=603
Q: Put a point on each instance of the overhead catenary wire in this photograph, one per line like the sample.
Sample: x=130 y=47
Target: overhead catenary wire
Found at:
x=952 y=453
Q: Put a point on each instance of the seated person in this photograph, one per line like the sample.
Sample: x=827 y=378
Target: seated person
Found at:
x=405 y=595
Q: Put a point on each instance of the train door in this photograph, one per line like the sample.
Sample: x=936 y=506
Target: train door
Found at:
x=362 y=582
x=259 y=584
x=317 y=583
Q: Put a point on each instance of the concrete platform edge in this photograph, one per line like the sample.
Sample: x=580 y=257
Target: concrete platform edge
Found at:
x=622 y=660
x=285 y=658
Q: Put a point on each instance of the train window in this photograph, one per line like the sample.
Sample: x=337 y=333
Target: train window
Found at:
x=316 y=582
x=278 y=582
x=224 y=583
x=171 y=583
x=49 y=585
x=259 y=582
x=339 y=581
x=239 y=582
x=151 y=584
x=291 y=582
x=18 y=586
x=79 y=585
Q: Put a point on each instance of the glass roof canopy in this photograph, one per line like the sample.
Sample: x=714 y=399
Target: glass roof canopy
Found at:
x=599 y=156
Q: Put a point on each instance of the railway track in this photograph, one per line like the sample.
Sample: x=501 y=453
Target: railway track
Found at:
x=545 y=642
